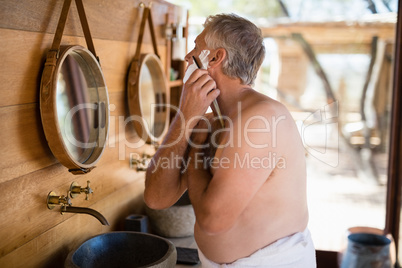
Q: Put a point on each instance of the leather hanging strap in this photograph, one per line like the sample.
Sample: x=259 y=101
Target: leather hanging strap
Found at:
x=146 y=16
x=135 y=64
x=53 y=54
x=54 y=51
x=80 y=171
x=85 y=27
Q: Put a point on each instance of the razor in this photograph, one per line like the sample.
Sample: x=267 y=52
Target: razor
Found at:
x=214 y=103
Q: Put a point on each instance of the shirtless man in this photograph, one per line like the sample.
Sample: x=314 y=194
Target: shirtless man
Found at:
x=250 y=200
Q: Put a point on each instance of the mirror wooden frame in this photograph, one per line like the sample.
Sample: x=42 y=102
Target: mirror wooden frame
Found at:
x=48 y=93
x=50 y=122
x=159 y=81
x=135 y=99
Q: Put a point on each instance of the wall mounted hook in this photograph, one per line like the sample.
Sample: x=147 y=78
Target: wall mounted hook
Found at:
x=142 y=5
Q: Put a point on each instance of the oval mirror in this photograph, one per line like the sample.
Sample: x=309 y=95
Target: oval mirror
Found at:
x=148 y=97
x=74 y=108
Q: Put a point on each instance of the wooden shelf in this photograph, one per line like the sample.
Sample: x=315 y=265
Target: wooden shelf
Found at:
x=175 y=83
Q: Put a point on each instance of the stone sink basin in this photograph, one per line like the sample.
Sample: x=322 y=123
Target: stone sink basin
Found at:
x=123 y=249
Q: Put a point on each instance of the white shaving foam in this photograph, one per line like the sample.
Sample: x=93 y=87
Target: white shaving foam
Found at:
x=204 y=59
x=192 y=67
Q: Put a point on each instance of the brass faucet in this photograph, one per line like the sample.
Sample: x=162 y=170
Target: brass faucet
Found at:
x=54 y=200
x=140 y=163
x=89 y=211
x=75 y=190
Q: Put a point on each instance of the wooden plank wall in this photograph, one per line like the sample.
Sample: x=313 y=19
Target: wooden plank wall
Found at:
x=30 y=234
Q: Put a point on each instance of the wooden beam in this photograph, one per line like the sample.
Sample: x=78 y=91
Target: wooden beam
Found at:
x=333 y=33
x=317 y=66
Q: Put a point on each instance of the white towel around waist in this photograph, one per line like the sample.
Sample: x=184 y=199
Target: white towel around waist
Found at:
x=294 y=251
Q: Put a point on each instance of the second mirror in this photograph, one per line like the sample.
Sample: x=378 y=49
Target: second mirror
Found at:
x=147 y=98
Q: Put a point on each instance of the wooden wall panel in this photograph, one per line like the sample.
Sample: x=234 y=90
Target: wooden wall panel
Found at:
x=24 y=142
x=21 y=62
x=24 y=70
x=109 y=20
x=30 y=234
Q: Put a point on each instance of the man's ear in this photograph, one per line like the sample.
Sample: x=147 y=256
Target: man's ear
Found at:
x=218 y=57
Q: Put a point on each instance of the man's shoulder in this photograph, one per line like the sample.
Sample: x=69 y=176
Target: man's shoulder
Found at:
x=264 y=106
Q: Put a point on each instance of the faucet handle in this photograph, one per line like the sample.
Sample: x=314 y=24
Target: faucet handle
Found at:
x=88 y=190
x=75 y=190
x=53 y=200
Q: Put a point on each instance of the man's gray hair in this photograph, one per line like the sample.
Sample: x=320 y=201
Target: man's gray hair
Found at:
x=242 y=41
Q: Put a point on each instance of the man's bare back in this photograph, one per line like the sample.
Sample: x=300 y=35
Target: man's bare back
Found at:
x=278 y=208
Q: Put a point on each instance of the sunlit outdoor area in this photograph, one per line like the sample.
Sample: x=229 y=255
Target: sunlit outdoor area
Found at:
x=330 y=63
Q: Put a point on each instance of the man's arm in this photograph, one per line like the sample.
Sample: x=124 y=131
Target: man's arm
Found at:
x=164 y=183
